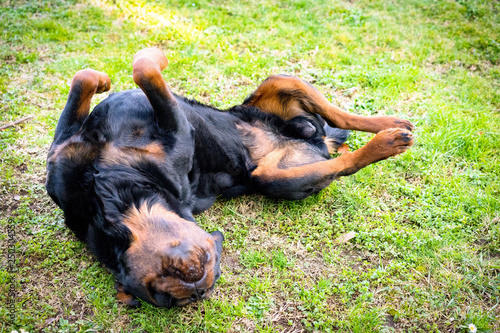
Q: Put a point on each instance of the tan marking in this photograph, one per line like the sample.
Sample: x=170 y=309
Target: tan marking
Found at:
x=268 y=169
x=385 y=144
x=256 y=140
x=330 y=144
x=138 y=220
x=174 y=287
x=75 y=150
x=266 y=97
x=147 y=75
x=112 y=155
x=343 y=149
x=129 y=155
x=156 y=55
x=333 y=146
x=123 y=296
x=155 y=149
x=126 y=298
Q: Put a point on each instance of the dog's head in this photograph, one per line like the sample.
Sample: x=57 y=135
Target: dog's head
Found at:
x=170 y=262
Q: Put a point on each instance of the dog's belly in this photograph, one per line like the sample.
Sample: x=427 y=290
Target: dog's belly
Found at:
x=222 y=164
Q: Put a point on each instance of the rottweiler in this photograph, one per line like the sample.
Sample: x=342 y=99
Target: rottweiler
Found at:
x=130 y=175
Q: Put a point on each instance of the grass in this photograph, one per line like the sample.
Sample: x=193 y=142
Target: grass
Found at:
x=426 y=257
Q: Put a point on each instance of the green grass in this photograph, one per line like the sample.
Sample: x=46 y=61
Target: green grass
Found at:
x=427 y=252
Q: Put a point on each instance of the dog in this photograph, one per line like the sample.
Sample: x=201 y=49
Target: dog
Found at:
x=130 y=175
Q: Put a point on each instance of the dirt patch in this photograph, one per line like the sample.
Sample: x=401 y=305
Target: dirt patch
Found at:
x=22 y=168
x=445 y=68
x=389 y=322
x=243 y=324
x=230 y=262
x=287 y=316
x=8 y=208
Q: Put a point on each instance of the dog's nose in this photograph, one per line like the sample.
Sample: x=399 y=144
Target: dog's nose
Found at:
x=198 y=294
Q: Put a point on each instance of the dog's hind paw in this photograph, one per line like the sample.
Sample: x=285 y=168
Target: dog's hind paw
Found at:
x=389 y=142
x=387 y=122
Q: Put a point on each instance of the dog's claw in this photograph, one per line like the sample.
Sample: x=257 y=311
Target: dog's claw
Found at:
x=402 y=123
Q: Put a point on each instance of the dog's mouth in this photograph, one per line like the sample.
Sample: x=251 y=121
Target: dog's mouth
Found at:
x=198 y=295
x=164 y=299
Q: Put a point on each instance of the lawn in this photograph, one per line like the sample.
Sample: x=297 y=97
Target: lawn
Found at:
x=426 y=255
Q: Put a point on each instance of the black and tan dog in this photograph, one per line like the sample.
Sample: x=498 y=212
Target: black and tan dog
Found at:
x=130 y=175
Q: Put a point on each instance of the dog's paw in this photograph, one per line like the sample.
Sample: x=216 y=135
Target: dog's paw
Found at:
x=124 y=297
x=90 y=80
x=155 y=55
x=147 y=66
x=104 y=82
x=387 y=122
x=390 y=142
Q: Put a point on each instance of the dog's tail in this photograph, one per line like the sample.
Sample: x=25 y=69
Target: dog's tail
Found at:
x=335 y=137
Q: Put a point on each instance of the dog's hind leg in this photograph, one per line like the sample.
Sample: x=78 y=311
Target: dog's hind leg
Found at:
x=275 y=179
x=289 y=97
x=84 y=85
x=148 y=64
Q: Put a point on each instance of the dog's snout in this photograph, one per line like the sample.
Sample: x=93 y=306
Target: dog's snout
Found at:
x=198 y=294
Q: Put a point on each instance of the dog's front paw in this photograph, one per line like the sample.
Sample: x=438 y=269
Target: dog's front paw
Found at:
x=90 y=80
x=124 y=297
x=156 y=56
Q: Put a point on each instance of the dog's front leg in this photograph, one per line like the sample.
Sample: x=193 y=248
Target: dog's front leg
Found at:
x=147 y=66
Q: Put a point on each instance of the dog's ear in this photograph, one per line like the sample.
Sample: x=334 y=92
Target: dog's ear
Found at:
x=124 y=297
x=218 y=238
x=301 y=127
